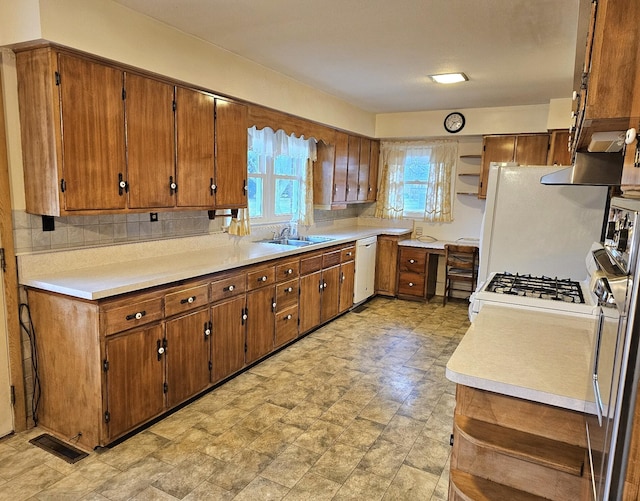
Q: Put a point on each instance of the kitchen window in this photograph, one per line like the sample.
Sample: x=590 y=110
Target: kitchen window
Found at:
x=279 y=179
x=416 y=180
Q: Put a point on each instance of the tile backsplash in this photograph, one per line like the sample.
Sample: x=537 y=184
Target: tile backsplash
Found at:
x=82 y=231
x=85 y=231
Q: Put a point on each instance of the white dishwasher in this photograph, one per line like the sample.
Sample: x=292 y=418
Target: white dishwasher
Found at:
x=365 y=269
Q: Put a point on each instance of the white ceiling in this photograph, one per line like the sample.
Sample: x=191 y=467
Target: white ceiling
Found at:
x=376 y=54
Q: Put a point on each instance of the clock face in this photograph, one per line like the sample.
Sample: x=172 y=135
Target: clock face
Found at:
x=454 y=122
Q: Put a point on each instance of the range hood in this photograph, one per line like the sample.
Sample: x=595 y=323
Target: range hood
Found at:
x=589 y=169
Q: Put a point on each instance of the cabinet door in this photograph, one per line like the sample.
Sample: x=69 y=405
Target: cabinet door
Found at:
x=134 y=379
x=340 y=168
x=330 y=293
x=260 y=322
x=363 y=169
x=310 y=296
x=532 y=149
x=374 y=161
x=228 y=337
x=150 y=143
x=231 y=154
x=386 y=265
x=353 y=168
x=494 y=149
x=93 y=137
x=347 y=279
x=188 y=356
x=195 y=148
x=559 y=153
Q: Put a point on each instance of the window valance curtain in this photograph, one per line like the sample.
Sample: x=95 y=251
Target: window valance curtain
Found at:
x=273 y=144
x=440 y=161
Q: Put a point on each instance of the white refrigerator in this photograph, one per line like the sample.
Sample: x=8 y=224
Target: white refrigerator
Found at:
x=531 y=228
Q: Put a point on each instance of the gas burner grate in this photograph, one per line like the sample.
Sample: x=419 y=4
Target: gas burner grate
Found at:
x=553 y=289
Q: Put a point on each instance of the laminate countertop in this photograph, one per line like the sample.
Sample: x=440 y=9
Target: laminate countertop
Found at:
x=429 y=243
x=101 y=272
x=537 y=356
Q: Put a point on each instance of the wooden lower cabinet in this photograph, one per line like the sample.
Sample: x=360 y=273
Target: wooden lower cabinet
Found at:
x=134 y=378
x=330 y=293
x=310 y=296
x=347 y=282
x=188 y=356
x=227 y=337
x=260 y=322
x=111 y=365
x=508 y=448
x=387 y=264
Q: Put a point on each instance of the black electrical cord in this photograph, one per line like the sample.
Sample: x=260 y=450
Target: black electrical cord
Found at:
x=31 y=332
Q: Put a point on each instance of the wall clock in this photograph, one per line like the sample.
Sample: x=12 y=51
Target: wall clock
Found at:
x=454 y=122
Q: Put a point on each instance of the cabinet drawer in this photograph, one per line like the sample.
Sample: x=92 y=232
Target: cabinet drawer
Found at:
x=286 y=325
x=348 y=254
x=310 y=264
x=287 y=294
x=285 y=271
x=122 y=316
x=412 y=260
x=186 y=299
x=228 y=287
x=260 y=277
x=331 y=258
x=411 y=284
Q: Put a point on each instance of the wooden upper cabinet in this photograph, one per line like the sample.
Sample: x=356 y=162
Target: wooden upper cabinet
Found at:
x=340 y=168
x=610 y=76
x=363 y=169
x=559 y=153
x=73 y=133
x=494 y=149
x=195 y=113
x=92 y=134
x=374 y=161
x=353 y=168
x=151 y=172
x=524 y=149
x=231 y=154
x=532 y=149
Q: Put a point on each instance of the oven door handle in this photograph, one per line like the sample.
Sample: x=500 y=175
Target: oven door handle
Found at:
x=596 y=391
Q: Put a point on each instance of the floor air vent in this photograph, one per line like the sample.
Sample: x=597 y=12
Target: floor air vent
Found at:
x=58 y=448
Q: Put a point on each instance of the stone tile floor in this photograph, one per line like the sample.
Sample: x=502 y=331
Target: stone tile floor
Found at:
x=359 y=409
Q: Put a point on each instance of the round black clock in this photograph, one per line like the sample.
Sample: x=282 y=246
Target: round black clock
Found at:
x=454 y=122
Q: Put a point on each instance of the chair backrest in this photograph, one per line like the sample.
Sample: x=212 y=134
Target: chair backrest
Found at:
x=461 y=256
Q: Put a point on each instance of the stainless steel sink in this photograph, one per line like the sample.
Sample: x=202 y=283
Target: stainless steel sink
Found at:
x=288 y=241
x=298 y=241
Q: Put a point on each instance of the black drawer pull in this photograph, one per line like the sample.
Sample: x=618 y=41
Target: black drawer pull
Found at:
x=189 y=300
x=229 y=289
x=136 y=316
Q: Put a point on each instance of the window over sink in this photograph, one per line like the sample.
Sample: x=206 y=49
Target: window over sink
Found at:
x=278 y=180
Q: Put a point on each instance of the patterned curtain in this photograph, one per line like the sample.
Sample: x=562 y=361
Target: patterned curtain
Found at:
x=440 y=159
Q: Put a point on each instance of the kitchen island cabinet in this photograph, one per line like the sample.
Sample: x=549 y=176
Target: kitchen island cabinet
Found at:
x=523 y=386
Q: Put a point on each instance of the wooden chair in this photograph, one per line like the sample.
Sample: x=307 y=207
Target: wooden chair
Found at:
x=461 y=268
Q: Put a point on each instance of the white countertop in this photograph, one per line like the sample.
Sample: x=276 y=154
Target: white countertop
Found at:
x=537 y=356
x=135 y=266
x=428 y=243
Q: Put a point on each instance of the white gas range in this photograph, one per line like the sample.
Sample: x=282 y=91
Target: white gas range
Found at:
x=537 y=292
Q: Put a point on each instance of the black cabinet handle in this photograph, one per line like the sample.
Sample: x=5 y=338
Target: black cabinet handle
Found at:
x=188 y=300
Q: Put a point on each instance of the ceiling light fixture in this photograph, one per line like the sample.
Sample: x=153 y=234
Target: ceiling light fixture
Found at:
x=449 y=78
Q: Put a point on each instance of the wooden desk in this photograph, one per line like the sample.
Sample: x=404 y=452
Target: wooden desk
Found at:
x=418 y=266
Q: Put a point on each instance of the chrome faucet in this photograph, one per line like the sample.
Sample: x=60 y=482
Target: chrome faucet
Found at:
x=285 y=233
